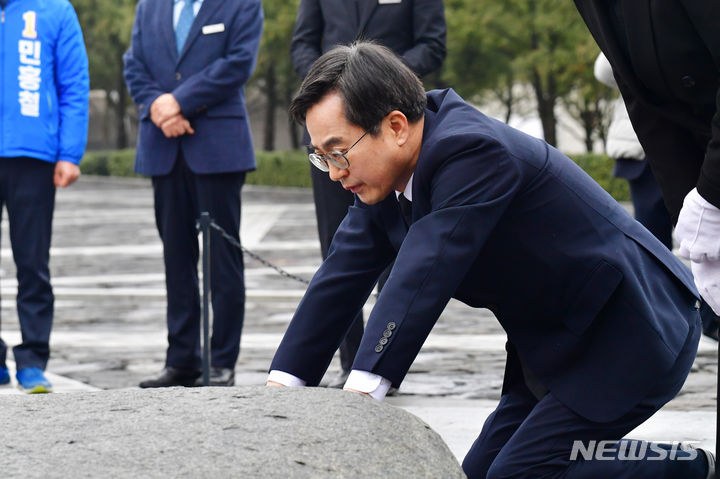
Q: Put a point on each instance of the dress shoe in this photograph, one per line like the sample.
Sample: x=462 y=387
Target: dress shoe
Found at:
x=339 y=381
x=219 y=377
x=170 y=376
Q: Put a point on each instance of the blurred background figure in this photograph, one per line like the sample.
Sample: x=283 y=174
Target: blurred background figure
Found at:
x=44 y=91
x=186 y=69
x=413 y=29
x=624 y=147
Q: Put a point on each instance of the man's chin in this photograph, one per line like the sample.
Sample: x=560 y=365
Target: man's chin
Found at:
x=367 y=199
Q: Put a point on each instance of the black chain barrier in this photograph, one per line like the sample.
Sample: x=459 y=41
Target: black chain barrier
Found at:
x=255 y=256
x=204 y=223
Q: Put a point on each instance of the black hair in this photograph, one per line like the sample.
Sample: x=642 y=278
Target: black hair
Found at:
x=371 y=80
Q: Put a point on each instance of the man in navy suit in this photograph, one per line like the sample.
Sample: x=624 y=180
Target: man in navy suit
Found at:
x=186 y=68
x=601 y=318
x=413 y=29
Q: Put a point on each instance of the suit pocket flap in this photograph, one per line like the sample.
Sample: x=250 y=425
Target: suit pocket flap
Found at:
x=592 y=296
x=227 y=110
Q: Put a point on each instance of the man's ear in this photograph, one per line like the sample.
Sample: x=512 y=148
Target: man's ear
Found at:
x=398 y=123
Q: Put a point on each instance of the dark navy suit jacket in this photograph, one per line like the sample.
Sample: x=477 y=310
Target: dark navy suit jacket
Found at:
x=414 y=29
x=206 y=79
x=504 y=221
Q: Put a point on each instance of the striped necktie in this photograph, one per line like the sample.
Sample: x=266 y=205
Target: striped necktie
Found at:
x=182 y=29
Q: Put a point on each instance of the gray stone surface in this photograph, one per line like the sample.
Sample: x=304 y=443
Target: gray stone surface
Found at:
x=243 y=432
x=110 y=331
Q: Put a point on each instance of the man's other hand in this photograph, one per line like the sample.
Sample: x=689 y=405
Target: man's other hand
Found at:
x=359 y=392
x=65 y=174
x=274 y=384
x=163 y=108
x=176 y=126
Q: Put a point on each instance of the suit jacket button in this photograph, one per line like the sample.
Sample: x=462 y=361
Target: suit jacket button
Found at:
x=697 y=304
x=387 y=333
x=178 y=76
x=391 y=326
x=383 y=341
x=687 y=81
x=378 y=348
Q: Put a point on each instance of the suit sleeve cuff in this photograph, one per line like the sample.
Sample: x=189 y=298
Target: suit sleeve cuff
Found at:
x=366 y=382
x=286 y=379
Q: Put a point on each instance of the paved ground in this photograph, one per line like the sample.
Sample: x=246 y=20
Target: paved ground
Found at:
x=110 y=329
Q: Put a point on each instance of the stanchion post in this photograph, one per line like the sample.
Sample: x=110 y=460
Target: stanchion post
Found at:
x=205 y=221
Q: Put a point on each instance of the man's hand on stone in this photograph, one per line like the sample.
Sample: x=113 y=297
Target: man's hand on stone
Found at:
x=163 y=108
x=65 y=174
x=176 y=126
x=359 y=392
x=274 y=384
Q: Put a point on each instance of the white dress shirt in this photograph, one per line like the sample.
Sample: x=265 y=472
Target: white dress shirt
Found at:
x=364 y=381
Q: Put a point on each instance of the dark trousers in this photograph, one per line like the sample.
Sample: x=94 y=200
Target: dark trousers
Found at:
x=331 y=205
x=28 y=192
x=527 y=438
x=180 y=197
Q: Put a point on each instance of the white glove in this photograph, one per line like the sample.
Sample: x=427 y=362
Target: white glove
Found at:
x=707 y=280
x=698 y=229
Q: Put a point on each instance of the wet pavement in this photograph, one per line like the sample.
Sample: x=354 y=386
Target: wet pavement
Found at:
x=109 y=329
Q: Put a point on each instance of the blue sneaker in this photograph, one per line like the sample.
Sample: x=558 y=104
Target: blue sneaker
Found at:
x=4 y=376
x=33 y=381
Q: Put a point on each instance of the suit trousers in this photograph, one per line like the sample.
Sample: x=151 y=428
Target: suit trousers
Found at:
x=180 y=197
x=529 y=438
x=28 y=192
x=331 y=205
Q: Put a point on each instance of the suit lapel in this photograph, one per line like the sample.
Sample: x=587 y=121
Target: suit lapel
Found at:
x=366 y=8
x=596 y=14
x=167 y=31
x=643 y=53
x=208 y=8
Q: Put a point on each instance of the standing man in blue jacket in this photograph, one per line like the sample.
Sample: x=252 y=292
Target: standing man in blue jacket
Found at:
x=44 y=90
x=186 y=68
x=602 y=320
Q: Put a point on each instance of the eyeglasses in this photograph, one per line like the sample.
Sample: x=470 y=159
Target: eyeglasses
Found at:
x=335 y=157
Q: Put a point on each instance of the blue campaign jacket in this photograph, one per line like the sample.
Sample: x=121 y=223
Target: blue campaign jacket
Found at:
x=44 y=83
x=504 y=221
x=206 y=79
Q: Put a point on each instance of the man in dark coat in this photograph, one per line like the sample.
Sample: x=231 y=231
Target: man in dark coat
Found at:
x=666 y=58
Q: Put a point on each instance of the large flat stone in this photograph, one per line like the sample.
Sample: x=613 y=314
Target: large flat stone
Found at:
x=218 y=432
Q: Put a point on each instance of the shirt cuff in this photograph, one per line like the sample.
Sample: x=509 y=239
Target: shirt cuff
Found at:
x=286 y=379
x=366 y=382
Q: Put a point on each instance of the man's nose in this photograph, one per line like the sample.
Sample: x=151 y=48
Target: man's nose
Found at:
x=336 y=174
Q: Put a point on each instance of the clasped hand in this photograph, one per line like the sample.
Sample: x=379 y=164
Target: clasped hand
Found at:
x=165 y=113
